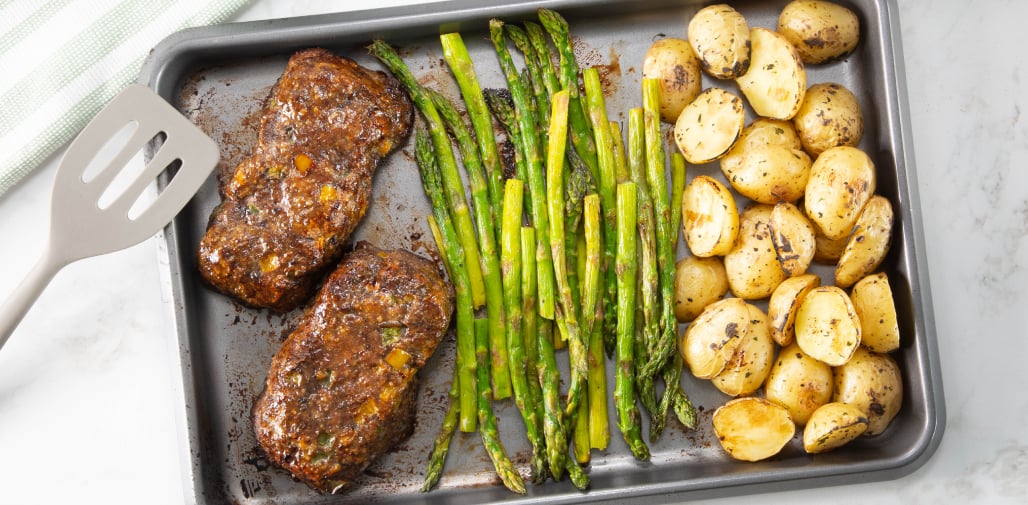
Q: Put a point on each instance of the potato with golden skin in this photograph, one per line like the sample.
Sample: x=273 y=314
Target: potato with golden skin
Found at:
x=673 y=62
x=873 y=383
x=799 y=383
x=710 y=220
x=842 y=180
x=749 y=366
x=698 y=283
x=767 y=164
x=709 y=125
x=821 y=31
x=829 y=116
x=721 y=38
x=785 y=302
x=833 y=425
x=793 y=237
x=753 y=429
x=876 y=308
x=869 y=243
x=827 y=326
x=752 y=265
x=711 y=340
x=776 y=81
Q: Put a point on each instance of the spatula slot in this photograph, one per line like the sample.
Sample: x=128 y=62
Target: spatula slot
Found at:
x=145 y=199
x=126 y=175
x=110 y=149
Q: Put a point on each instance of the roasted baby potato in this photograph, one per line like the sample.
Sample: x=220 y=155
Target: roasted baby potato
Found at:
x=833 y=425
x=709 y=125
x=868 y=244
x=829 y=116
x=784 y=302
x=871 y=382
x=746 y=370
x=752 y=429
x=827 y=326
x=698 y=283
x=793 y=237
x=799 y=383
x=828 y=251
x=767 y=164
x=842 y=180
x=776 y=81
x=752 y=265
x=710 y=219
x=711 y=340
x=821 y=31
x=673 y=63
x=872 y=299
x=720 y=37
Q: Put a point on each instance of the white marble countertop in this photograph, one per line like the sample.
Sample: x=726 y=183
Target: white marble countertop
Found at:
x=86 y=384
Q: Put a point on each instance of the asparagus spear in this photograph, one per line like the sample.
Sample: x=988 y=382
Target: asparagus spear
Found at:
x=442 y=441
x=529 y=144
x=608 y=182
x=535 y=77
x=485 y=226
x=446 y=161
x=456 y=55
x=684 y=410
x=649 y=331
x=592 y=311
x=577 y=476
x=629 y=421
x=657 y=178
x=581 y=132
x=553 y=419
x=511 y=261
x=580 y=435
x=450 y=247
x=530 y=330
x=487 y=420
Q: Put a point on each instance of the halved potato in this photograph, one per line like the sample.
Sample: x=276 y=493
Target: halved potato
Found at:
x=749 y=366
x=821 y=31
x=752 y=429
x=709 y=125
x=829 y=116
x=674 y=63
x=842 y=180
x=827 y=326
x=776 y=81
x=833 y=425
x=799 y=383
x=752 y=265
x=710 y=219
x=721 y=38
x=871 y=382
x=698 y=283
x=793 y=237
x=767 y=174
x=770 y=132
x=869 y=243
x=711 y=340
x=784 y=302
x=872 y=299
x=828 y=251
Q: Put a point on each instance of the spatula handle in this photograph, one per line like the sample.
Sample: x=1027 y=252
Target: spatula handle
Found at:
x=19 y=302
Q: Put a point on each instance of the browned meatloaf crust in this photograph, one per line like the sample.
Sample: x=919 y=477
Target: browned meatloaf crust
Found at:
x=288 y=208
x=342 y=389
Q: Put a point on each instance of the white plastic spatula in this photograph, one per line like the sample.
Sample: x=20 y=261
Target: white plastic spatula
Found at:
x=89 y=216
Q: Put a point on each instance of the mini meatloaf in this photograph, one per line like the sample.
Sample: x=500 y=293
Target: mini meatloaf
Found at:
x=287 y=209
x=341 y=391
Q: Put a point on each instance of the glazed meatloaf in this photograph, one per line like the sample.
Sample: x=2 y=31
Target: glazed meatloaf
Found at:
x=342 y=389
x=288 y=208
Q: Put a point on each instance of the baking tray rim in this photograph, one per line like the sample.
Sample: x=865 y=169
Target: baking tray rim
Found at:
x=161 y=71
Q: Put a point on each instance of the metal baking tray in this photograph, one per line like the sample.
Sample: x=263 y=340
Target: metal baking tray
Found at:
x=219 y=76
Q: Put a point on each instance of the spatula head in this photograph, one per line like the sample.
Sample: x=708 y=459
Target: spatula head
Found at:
x=80 y=227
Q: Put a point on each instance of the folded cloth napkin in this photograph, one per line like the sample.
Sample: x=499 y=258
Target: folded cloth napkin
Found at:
x=61 y=61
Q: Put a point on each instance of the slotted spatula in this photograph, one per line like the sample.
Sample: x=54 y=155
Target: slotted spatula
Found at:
x=80 y=226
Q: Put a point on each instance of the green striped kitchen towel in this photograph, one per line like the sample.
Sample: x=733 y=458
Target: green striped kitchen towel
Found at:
x=62 y=60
